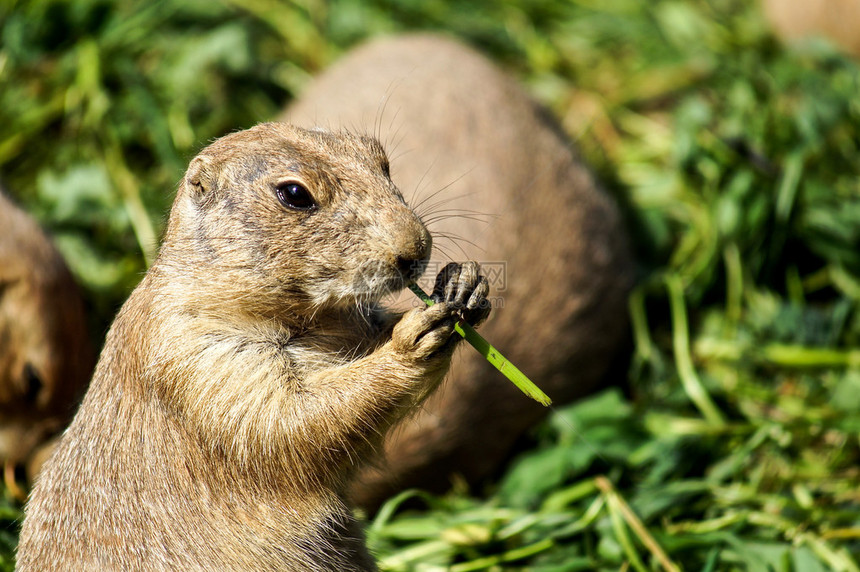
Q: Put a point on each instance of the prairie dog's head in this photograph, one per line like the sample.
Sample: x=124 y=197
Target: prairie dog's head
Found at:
x=305 y=219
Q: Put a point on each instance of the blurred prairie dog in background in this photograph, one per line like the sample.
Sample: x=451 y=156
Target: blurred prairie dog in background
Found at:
x=838 y=20
x=45 y=354
x=496 y=181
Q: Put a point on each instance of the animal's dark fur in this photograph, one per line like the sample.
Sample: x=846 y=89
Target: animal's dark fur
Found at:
x=45 y=355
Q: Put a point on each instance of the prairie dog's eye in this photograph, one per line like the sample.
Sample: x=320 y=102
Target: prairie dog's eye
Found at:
x=386 y=169
x=33 y=382
x=295 y=196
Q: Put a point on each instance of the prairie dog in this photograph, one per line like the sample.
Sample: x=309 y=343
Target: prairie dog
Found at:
x=253 y=369
x=45 y=355
x=837 y=20
x=466 y=140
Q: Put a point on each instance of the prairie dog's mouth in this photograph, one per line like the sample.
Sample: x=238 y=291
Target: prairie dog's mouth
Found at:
x=376 y=279
x=412 y=270
x=372 y=281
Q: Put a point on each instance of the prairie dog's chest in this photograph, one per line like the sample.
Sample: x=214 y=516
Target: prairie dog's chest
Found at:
x=328 y=348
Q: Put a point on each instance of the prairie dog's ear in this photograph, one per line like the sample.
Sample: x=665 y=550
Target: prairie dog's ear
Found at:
x=200 y=177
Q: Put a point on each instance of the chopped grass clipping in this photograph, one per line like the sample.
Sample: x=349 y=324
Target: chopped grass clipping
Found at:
x=493 y=355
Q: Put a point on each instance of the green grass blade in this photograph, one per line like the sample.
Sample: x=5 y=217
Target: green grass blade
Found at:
x=683 y=360
x=492 y=355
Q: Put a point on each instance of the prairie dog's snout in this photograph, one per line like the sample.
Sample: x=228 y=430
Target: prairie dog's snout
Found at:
x=399 y=248
x=410 y=241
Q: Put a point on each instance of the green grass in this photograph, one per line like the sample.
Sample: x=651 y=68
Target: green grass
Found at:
x=500 y=362
x=737 y=162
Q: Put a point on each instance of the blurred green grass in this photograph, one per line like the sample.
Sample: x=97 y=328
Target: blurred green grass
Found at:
x=736 y=159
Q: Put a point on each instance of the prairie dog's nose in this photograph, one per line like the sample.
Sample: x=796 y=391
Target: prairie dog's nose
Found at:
x=411 y=247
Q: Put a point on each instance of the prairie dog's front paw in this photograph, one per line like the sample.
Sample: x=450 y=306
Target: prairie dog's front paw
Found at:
x=463 y=288
x=422 y=332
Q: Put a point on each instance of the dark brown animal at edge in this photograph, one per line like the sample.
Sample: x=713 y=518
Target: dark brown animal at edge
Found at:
x=45 y=355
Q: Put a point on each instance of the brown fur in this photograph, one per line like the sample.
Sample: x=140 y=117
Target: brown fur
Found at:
x=250 y=372
x=838 y=20
x=45 y=356
x=482 y=162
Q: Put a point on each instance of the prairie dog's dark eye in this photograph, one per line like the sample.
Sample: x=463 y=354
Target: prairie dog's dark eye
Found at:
x=295 y=196
x=386 y=169
x=34 y=383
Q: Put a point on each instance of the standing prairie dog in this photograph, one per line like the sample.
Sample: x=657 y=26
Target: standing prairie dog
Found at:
x=45 y=354
x=252 y=370
x=482 y=162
